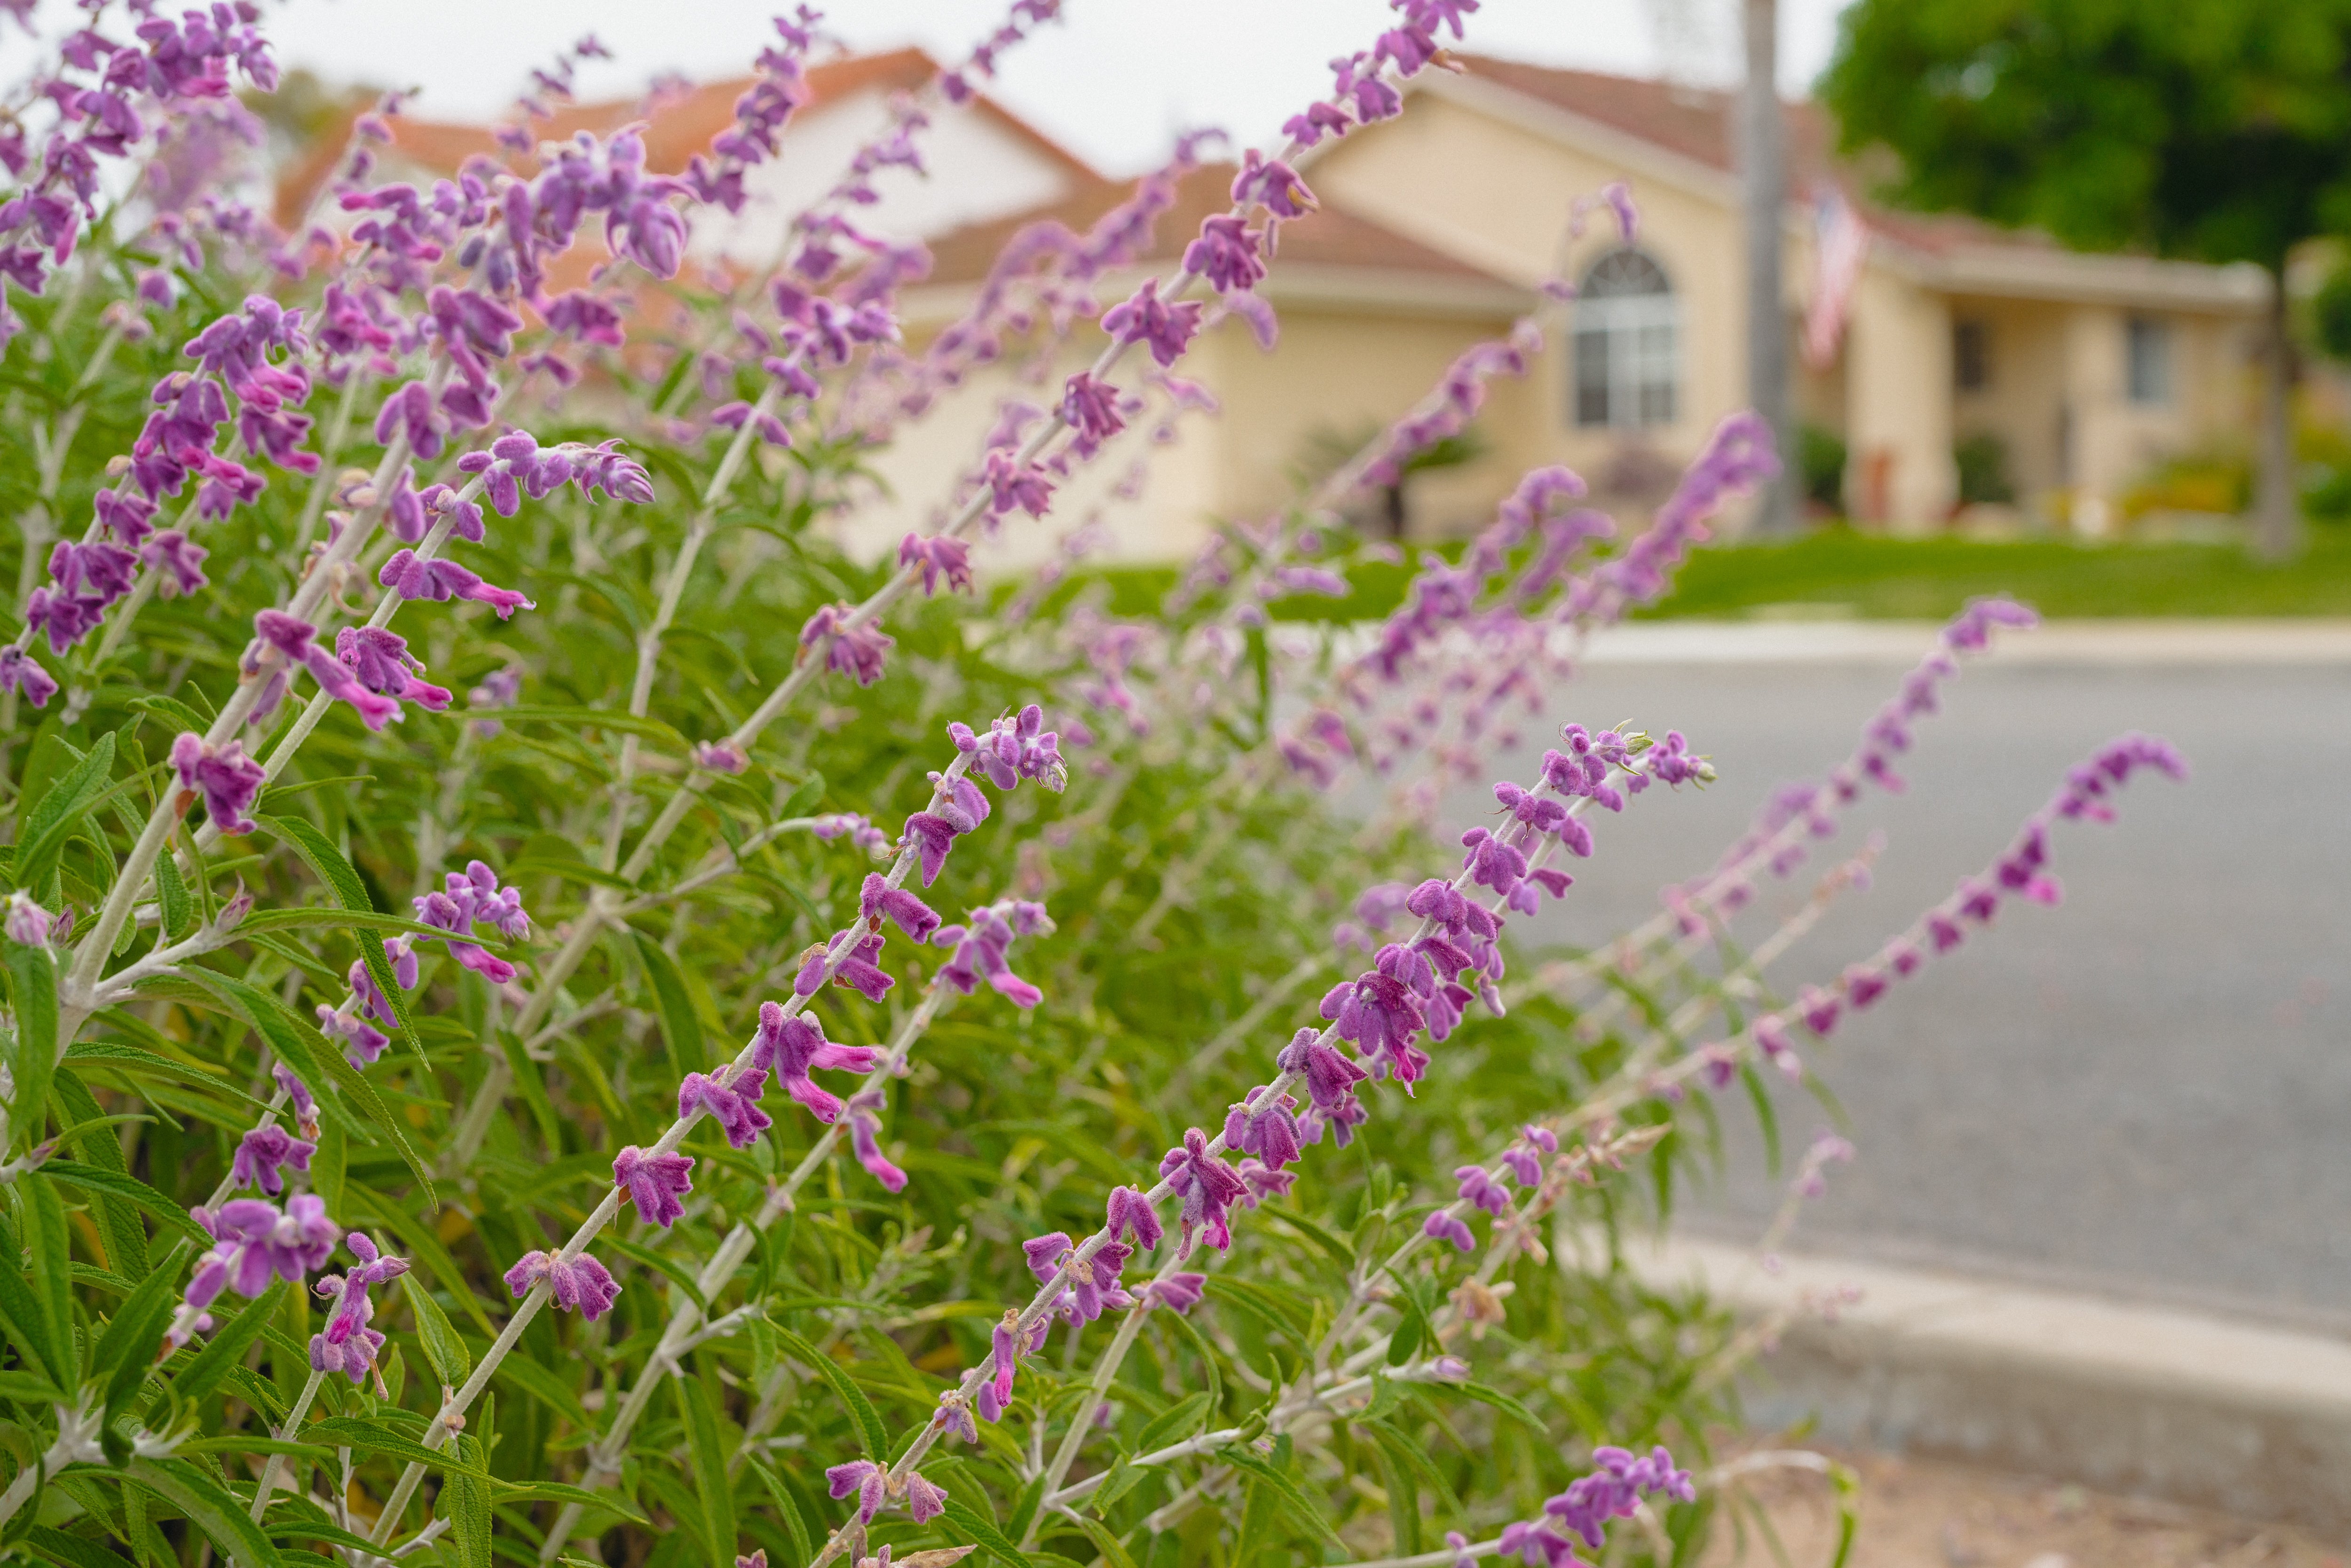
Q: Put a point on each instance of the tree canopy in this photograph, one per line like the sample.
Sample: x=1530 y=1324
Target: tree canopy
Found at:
x=2213 y=130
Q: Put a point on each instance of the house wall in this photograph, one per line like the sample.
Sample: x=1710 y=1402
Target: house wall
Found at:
x=1503 y=198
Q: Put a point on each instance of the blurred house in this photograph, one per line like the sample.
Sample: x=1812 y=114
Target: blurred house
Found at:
x=984 y=161
x=2059 y=376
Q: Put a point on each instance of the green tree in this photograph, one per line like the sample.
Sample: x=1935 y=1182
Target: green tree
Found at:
x=2214 y=130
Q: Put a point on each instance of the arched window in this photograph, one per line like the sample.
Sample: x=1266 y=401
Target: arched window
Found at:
x=1626 y=343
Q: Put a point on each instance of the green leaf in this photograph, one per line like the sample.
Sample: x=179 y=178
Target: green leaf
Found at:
x=529 y=1377
x=209 y=1508
x=803 y=1549
x=49 y=1241
x=707 y=1453
x=806 y=794
x=557 y=1491
x=72 y=1551
x=1295 y=1501
x=42 y=838
x=1114 y=1551
x=353 y=1432
x=964 y=1518
x=33 y=985
x=225 y=1350
x=343 y=879
x=442 y=1348
x=90 y=1179
x=464 y=1503
x=118 y=1220
x=680 y=1028
x=179 y=906
x=1503 y=1402
x=171 y=711
x=1179 y=1421
x=1404 y=1341
x=576 y=719
x=670 y=1268
x=869 y=1433
x=1120 y=1479
x=126 y=1352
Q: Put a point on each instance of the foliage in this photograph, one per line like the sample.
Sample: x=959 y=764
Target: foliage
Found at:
x=1982 y=463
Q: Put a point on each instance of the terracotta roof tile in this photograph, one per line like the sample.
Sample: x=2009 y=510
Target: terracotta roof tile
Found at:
x=1328 y=237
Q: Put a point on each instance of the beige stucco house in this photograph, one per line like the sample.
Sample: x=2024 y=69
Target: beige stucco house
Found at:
x=1439 y=227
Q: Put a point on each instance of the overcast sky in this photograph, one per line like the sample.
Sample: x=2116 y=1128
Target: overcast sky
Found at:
x=1113 y=79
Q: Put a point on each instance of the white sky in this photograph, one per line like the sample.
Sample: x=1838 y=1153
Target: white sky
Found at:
x=1113 y=80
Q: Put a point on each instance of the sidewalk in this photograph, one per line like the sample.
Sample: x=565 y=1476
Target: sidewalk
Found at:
x=2155 y=1401
x=2056 y=642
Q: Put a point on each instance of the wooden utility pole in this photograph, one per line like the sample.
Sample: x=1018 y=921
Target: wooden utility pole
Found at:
x=1763 y=180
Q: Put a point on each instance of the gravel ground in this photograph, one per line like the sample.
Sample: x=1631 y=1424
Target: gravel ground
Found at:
x=1927 y=1514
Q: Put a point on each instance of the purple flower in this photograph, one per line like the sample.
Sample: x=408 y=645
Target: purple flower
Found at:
x=864 y=1480
x=656 y=1183
x=1272 y=183
x=878 y=901
x=936 y=557
x=856 y=969
x=980 y=948
x=1228 y=253
x=27 y=923
x=1381 y=1015
x=1318 y=119
x=411 y=576
x=362 y=1043
x=1265 y=1125
x=20 y=672
x=1491 y=862
x=1445 y=1226
x=253 y=1242
x=792 y=1046
x=379 y=661
x=1208 y=1187
x=1014 y=484
x=864 y=1139
x=1818 y=1009
x=1614 y=1490
x=582 y=1285
x=261 y=1155
x=1330 y=1077
x=306 y=1107
x=735 y=1106
x=720 y=757
x=852 y=647
x=172 y=553
x=1091 y=408
x=1165 y=327
x=1479 y=1187
x=1015 y=748
x=925 y=1501
x=347 y=1344
x=226 y=778
x=411 y=413
x=1129 y=1212
x=1178 y=1293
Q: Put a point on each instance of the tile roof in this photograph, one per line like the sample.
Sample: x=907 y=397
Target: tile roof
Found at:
x=1328 y=237
x=675 y=130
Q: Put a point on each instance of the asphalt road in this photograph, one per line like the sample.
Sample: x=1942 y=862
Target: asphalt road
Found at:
x=2147 y=1089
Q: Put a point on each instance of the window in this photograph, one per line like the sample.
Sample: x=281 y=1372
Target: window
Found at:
x=2149 y=341
x=1971 y=355
x=1626 y=331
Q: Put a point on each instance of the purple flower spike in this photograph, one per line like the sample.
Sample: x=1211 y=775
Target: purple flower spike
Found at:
x=937 y=557
x=1330 y=1077
x=864 y=1139
x=1270 y=1131
x=864 y=1480
x=1228 y=253
x=1208 y=1187
x=858 y=649
x=1178 y=1293
x=226 y=778
x=1129 y=1212
x=654 y=1183
x=735 y=1107
x=1005 y=1347
x=925 y=1501
x=1479 y=1187
x=347 y=1345
x=1165 y=329
x=1092 y=408
x=1381 y=1015
x=1445 y=1226
x=263 y=1152
x=790 y=1047
x=413 y=576
x=582 y=1285
x=877 y=901
x=20 y=672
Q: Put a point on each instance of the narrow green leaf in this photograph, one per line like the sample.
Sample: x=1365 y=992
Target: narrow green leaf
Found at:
x=1114 y=1551
x=803 y=1548
x=49 y=1241
x=1505 y=1402
x=33 y=984
x=680 y=1028
x=117 y=1219
x=442 y=1348
x=42 y=838
x=1172 y=1425
x=870 y=1432
x=707 y=1453
x=90 y=1179
x=225 y=1349
x=126 y=1350
x=353 y=1432
x=962 y=1517
x=171 y=711
x=464 y=1503
x=72 y=1551
x=1297 y=1503
x=209 y=1508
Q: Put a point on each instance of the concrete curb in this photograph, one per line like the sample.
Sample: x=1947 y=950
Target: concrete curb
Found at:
x=2195 y=1409
x=2057 y=643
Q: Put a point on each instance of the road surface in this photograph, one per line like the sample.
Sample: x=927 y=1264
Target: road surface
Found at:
x=2147 y=1089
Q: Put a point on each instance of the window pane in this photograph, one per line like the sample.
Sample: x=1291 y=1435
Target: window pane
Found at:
x=1592 y=377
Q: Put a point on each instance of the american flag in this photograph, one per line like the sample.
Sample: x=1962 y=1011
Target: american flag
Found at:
x=1840 y=245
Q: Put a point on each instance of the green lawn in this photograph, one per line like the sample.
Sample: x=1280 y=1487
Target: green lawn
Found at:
x=1930 y=579
x=1838 y=572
